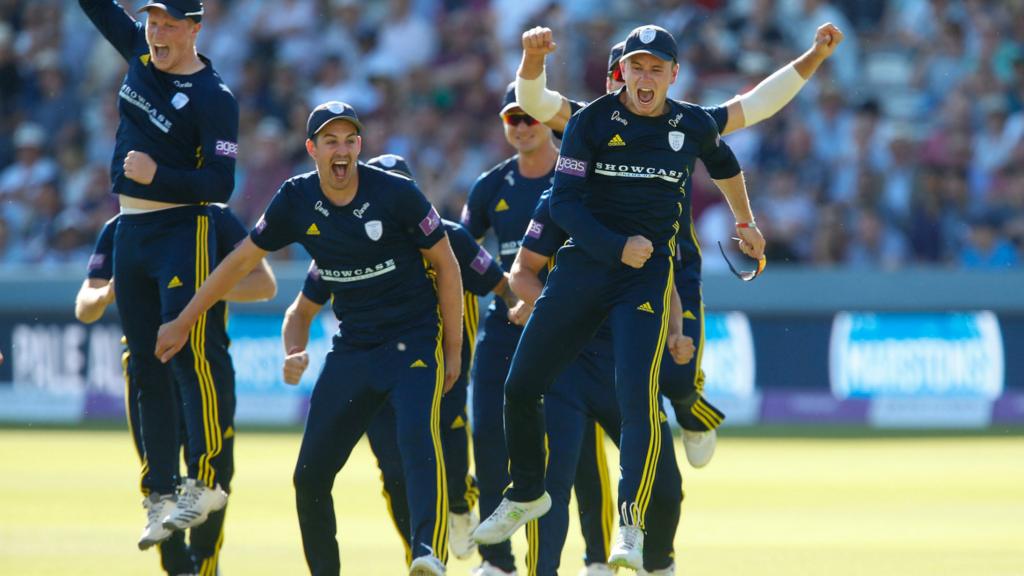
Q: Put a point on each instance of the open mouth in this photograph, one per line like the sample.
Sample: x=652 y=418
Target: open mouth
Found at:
x=645 y=96
x=160 y=51
x=339 y=169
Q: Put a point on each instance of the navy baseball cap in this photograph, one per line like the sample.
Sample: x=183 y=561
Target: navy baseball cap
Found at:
x=509 y=102
x=391 y=163
x=615 y=55
x=653 y=40
x=329 y=111
x=179 y=9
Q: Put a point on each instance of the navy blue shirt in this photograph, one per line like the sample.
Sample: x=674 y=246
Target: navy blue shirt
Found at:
x=188 y=123
x=503 y=200
x=367 y=251
x=619 y=174
x=228 y=228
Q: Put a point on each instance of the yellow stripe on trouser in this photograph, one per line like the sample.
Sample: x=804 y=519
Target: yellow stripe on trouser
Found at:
x=643 y=496
x=607 y=507
x=209 y=566
x=533 y=547
x=698 y=374
x=391 y=514
x=207 y=392
x=440 y=537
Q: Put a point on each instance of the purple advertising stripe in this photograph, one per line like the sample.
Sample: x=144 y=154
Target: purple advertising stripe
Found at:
x=101 y=406
x=797 y=406
x=1009 y=409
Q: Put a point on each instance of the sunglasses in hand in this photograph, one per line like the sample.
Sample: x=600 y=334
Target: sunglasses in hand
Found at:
x=746 y=276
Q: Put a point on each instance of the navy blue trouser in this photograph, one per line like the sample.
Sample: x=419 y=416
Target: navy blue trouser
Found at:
x=585 y=391
x=383 y=436
x=580 y=294
x=160 y=260
x=407 y=373
x=683 y=384
x=490 y=369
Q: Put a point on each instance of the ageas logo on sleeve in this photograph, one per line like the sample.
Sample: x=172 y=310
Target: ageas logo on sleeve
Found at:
x=226 y=148
x=571 y=166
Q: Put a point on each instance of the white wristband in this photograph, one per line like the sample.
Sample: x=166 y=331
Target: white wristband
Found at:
x=535 y=99
x=771 y=95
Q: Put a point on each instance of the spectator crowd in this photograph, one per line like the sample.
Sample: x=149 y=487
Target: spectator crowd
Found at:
x=906 y=148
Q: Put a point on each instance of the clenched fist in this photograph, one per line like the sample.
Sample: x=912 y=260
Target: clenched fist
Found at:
x=537 y=41
x=826 y=39
x=681 y=348
x=139 y=167
x=637 y=251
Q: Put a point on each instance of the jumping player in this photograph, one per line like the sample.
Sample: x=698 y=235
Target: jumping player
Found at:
x=682 y=383
x=174 y=152
x=371 y=234
x=201 y=555
x=620 y=204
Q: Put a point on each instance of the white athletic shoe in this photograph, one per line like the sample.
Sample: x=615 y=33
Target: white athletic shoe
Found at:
x=700 y=447
x=597 y=569
x=195 y=502
x=509 y=517
x=460 y=534
x=427 y=566
x=628 y=550
x=157 y=507
x=487 y=569
x=670 y=571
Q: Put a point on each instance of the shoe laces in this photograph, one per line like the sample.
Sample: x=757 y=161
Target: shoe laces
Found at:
x=188 y=494
x=630 y=536
x=508 y=509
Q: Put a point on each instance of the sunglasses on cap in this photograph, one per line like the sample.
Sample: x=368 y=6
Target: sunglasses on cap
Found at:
x=746 y=276
x=516 y=119
x=616 y=74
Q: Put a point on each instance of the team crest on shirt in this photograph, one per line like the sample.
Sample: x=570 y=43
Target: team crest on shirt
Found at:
x=179 y=100
x=374 y=229
x=676 y=139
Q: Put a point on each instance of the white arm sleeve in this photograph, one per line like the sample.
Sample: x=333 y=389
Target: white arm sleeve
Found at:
x=535 y=99
x=771 y=95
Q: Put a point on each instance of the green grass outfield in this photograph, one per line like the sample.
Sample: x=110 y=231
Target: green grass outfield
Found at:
x=876 y=506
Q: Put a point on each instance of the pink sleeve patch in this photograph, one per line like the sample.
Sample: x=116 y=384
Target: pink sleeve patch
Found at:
x=96 y=261
x=430 y=222
x=226 y=148
x=481 y=262
x=535 y=229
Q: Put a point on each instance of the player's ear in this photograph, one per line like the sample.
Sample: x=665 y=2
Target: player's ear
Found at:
x=196 y=27
x=675 y=72
x=311 y=148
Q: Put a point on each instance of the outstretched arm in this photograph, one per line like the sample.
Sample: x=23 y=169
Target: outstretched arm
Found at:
x=777 y=90
x=532 y=94
x=173 y=335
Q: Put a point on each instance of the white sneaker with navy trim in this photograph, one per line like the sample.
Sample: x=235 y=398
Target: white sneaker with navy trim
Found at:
x=509 y=517
x=195 y=503
x=157 y=507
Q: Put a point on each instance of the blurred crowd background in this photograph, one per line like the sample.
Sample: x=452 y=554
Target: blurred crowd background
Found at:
x=906 y=149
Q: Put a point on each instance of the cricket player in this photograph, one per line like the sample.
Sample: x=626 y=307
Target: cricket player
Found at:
x=620 y=204
x=174 y=152
x=97 y=292
x=371 y=235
